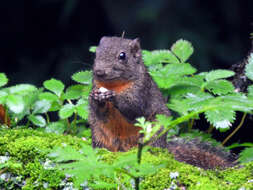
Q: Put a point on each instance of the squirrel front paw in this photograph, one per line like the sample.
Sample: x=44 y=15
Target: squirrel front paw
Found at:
x=102 y=94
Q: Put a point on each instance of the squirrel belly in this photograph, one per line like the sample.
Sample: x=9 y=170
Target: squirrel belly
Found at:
x=122 y=91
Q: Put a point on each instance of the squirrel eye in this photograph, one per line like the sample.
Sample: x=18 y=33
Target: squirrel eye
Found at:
x=122 y=56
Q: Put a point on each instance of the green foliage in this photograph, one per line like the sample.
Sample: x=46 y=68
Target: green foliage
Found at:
x=182 y=49
x=249 y=67
x=246 y=155
x=3 y=79
x=191 y=94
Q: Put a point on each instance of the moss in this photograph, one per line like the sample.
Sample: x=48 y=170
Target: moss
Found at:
x=28 y=151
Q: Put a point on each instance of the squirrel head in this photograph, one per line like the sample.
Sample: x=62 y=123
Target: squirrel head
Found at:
x=118 y=59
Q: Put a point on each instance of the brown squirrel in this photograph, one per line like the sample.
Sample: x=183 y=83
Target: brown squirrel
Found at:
x=122 y=91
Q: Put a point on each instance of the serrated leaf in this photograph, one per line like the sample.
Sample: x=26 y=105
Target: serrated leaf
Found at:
x=41 y=106
x=15 y=103
x=221 y=118
x=37 y=120
x=246 y=155
x=218 y=74
x=55 y=86
x=170 y=74
x=56 y=127
x=74 y=92
x=249 y=67
x=220 y=87
x=66 y=111
x=158 y=56
x=3 y=79
x=182 y=49
x=83 y=77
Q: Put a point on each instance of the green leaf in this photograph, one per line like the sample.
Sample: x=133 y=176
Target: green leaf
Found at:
x=3 y=79
x=37 y=120
x=83 y=77
x=182 y=49
x=249 y=67
x=158 y=56
x=41 y=106
x=74 y=92
x=246 y=155
x=221 y=118
x=55 y=86
x=218 y=74
x=48 y=96
x=75 y=162
x=83 y=109
x=15 y=103
x=92 y=49
x=3 y=96
x=220 y=87
x=166 y=76
x=66 y=111
x=250 y=91
x=56 y=127
x=22 y=89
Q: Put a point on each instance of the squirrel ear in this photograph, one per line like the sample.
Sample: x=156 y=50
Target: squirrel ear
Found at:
x=102 y=40
x=135 y=47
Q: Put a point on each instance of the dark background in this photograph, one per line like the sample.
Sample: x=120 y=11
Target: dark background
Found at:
x=41 y=39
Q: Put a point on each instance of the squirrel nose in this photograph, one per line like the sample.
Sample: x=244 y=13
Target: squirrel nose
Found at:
x=100 y=72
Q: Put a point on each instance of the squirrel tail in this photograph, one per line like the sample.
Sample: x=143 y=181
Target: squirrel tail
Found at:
x=201 y=154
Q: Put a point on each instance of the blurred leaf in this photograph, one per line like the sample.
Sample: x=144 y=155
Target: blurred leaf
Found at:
x=220 y=87
x=56 y=127
x=15 y=103
x=22 y=89
x=250 y=90
x=55 y=86
x=249 y=67
x=218 y=74
x=182 y=49
x=83 y=109
x=37 y=120
x=66 y=111
x=246 y=155
x=92 y=49
x=3 y=79
x=74 y=92
x=41 y=106
x=158 y=56
x=83 y=77
x=48 y=96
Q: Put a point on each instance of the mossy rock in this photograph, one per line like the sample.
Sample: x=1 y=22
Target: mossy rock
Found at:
x=27 y=168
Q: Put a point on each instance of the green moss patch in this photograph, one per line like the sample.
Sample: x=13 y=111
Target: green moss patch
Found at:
x=28 y=166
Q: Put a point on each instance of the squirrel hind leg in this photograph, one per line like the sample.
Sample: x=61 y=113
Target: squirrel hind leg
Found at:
x=201 y=154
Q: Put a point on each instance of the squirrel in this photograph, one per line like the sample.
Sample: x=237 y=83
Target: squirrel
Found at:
x=122 y=91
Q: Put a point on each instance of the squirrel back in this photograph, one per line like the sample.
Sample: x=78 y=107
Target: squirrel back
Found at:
x=122 y=91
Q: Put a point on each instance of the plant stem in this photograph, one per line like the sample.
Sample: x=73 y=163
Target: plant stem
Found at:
x=236 y=129
x=48 y=119
x=190 y=124
x=139 y=154
x=210 y=129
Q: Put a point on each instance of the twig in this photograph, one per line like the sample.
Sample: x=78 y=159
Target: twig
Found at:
x=236 y=129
